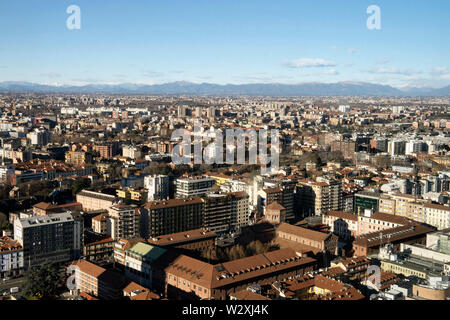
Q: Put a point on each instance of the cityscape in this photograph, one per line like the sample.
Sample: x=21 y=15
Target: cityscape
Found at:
x=249 y=191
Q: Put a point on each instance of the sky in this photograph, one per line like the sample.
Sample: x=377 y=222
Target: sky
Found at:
x=225 y=41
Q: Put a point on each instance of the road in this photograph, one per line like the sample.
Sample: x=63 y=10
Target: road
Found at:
x=11 y=283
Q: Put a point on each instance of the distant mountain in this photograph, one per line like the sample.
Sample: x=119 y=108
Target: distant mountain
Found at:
x=260 y=89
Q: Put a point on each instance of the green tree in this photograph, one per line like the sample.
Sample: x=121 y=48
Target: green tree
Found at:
x=42 y=281
x=80 y=184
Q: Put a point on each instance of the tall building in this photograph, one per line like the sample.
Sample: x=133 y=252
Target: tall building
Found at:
x=320 y=197
x=39 y=137
x=123 y=221
x=131 y=152
x=217 y=212
x=171 y=216
x=54 y=238
x=157 y=186
x=77 y=158
x=240 y=214
x=193 y=186
x=366 y=200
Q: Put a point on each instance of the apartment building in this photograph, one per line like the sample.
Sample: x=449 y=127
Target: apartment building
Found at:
x=217 y=212
x=138 y=262
x=96 y=281
x=131 y=152
x=56 y=238
x=92 y=201
x=193 y=186
x=342 y=224
x=157 y=187
x=11 y=257
x=317 y=198
x=171 y=216
x=123 y=221
x=437 y=216
x=99 y=223
x=77 y=158
x=284 y=195
x=240 y=214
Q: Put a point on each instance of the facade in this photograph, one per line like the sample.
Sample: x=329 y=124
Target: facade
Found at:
x=131 y=152
x=171 y=216
x=99 y=223
x=188 y=277
x=157 y=187
x=323 y=242
x=193 y=186
x=343 y=224
x=54 y=238
x=217 y=212
x=366 y=200
x=123 y=221
x=193 y=240
x=437 y=216
x=92 y=201
x=240 y=214
x=77 y=158
x=11 y=257
x=100 y=250
x=317 y=198
x=138 y=262
x=96 y=281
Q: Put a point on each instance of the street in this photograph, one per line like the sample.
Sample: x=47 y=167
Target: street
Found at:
x=17 y=282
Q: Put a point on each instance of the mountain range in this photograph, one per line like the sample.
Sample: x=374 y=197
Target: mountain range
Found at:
x=256 y=89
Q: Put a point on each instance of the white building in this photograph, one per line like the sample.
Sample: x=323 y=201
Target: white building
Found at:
x=436 y=215
x=157 y=186
x=194 y=186
x=11 y=257
x=131 y=152
x=123 y=222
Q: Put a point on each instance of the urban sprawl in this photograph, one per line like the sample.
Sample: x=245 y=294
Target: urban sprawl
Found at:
x=93 y=207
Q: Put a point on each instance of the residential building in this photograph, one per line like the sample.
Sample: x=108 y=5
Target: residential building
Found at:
x=56 y=238
x=171 y=216
x=123 y=221
x=157 y=187
x=11 y=257
x=193 y=186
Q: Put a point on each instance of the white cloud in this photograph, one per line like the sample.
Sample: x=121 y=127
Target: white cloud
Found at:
x=352 y=50
x=309 y=63
x=331 y=72
x=392 y=70
x=439 y=71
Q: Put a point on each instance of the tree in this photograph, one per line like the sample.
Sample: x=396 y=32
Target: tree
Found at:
x=42 y=281
x=80 y=184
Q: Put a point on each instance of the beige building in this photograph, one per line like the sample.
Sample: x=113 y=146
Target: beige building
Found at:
x=123 y=221
x=99 y=223
x=92 y=201
x=436 y=215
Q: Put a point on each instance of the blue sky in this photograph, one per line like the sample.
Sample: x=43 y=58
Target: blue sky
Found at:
x=232 y=41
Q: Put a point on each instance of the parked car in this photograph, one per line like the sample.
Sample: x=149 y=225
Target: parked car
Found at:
x=14 y=290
